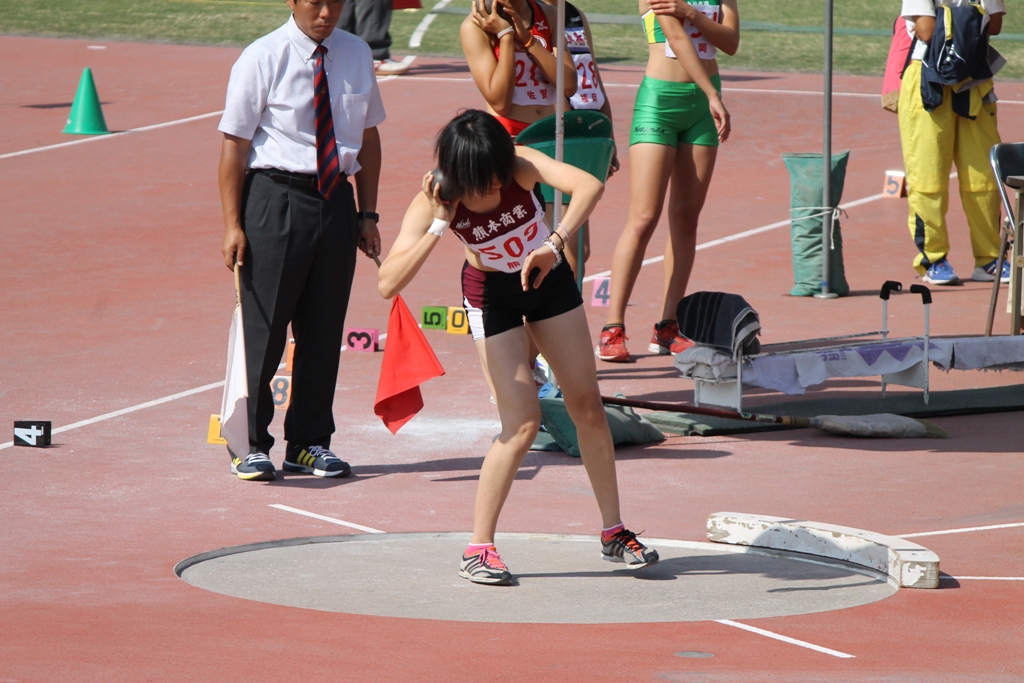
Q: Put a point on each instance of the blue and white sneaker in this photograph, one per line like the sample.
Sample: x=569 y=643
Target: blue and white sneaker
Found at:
x=315 y=460
x=988 y=273
x=255 y=467
x=941 y=273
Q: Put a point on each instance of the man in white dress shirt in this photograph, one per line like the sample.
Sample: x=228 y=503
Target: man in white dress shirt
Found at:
x=291 y=220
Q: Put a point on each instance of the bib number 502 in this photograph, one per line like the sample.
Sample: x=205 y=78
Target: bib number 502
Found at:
x=513 y=246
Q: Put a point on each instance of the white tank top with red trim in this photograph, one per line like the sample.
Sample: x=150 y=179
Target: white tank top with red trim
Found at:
x=531 y=87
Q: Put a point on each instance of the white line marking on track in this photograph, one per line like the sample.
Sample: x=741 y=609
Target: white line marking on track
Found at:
x=332 y=520
x=962 y=530
x=741 y=235
x=435 y=79
x=199 y=117
x=989 y=578
x=131 y=409
x=785 y=639
x=782 y=91
x=122 y=133
x=417 y=35
x=125 y=411
x=634 y=86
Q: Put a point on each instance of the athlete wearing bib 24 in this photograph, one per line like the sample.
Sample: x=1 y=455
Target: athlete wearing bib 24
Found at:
x=678 y=122
x=513 y=271
x=510 y=54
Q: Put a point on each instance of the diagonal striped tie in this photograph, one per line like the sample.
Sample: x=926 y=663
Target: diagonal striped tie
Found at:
x=328 y=176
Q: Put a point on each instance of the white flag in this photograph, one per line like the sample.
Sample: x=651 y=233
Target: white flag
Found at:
x=234 y=414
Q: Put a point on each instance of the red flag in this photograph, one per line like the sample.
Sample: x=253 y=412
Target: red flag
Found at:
x=408 y=362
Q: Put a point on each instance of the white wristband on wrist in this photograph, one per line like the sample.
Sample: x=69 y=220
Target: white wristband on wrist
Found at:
x=438 y=226
x=504 y=32
x=556 y=250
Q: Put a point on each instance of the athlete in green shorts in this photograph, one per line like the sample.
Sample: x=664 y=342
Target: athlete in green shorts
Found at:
x=678 y=122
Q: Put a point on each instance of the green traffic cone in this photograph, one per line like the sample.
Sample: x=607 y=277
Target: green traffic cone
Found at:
x=86 y=116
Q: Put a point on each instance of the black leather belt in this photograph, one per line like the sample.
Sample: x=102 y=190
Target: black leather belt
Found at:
x=292 y=179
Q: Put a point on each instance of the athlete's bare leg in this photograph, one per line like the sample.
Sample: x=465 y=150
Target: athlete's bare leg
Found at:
x=504 y=361
x=691 y=177
x=565 y=342
x=650 y=168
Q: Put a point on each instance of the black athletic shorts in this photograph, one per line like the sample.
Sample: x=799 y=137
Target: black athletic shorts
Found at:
x=495 y=302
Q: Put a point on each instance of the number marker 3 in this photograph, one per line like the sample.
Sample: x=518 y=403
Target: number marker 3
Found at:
x=361 y=339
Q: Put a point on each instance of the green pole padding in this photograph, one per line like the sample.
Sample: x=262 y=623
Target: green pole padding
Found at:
x=588 y=143
x=808 y=216
x=86 y=116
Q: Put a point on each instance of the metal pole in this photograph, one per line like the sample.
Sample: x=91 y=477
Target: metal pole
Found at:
x=559 y=105
x=826 y=201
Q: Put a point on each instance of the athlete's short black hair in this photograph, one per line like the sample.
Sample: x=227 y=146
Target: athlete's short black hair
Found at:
x=473 y=150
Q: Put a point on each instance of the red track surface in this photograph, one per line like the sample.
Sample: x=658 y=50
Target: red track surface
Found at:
x=112 y=294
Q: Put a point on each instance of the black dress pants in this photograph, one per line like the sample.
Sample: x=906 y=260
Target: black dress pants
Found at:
x=371 y=21
x=299 y=262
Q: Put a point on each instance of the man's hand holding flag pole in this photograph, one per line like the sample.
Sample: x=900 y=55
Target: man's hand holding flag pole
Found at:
x=234 y=414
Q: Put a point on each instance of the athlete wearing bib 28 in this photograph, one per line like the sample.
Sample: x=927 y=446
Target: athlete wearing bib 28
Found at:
x=514 y=271
x=678 y=122
x=590 y=94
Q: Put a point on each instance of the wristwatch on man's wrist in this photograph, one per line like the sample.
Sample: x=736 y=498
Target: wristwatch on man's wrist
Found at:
x=372 y=215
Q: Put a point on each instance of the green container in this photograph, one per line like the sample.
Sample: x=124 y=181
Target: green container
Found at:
x=587 y=144
x=806 y=189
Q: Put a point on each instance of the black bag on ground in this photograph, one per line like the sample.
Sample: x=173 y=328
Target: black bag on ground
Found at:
x=724 y=321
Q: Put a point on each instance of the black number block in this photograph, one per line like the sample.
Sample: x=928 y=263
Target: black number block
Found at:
x=32 y=433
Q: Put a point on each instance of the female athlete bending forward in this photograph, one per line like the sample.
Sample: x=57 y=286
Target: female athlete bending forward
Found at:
x=514 y=270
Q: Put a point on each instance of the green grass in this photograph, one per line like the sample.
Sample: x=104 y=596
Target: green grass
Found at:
x=238 y=22
x=217 y=22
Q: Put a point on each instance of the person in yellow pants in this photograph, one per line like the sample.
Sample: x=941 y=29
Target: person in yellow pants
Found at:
x=932 y=142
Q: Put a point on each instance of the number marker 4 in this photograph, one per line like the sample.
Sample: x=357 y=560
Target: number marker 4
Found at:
x=32 y=434
x=602 y=292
